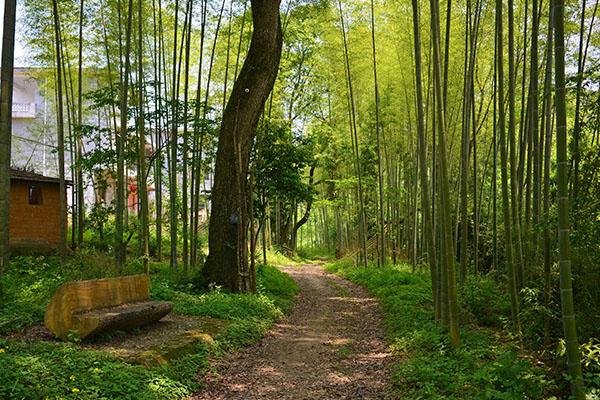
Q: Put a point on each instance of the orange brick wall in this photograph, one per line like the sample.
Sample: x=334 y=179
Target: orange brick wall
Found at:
x=34 y=224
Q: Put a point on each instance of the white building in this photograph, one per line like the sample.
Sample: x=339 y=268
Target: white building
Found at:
x=33 y=125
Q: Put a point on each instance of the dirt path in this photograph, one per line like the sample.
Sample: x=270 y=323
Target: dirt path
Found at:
x=331 y=347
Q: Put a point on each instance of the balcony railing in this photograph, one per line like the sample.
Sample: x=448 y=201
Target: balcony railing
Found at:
x=23 y=110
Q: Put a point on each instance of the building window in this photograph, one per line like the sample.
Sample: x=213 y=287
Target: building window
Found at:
x=35 y=195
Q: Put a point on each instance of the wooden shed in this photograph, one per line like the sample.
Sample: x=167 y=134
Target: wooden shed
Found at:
x=34 y=211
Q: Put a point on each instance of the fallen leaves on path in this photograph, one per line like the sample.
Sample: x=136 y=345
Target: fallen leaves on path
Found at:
x=332 y=346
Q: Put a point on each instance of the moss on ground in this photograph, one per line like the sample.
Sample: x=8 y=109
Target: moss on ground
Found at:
x=31 y=368
x=483 y=367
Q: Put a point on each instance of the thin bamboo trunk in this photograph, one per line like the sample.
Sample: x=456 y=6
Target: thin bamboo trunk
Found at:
x=382 y=251
x=548 y=115
x=6 y=95
x=445 y=218
x=120 y=247
x=508 y=239
x=142 y=181
x=564 y=245
x=518 y=265
x=60 y=131
x=173 y=219
x=424 y=178
x=79 y=143
x=362 y=218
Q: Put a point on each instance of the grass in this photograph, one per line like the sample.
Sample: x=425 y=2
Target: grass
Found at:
x=303 y=256
x=276 y=257
x=315 y=253
x=485 y=366
x=31 y=370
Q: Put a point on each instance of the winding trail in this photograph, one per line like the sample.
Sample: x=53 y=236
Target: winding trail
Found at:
x=332 y=346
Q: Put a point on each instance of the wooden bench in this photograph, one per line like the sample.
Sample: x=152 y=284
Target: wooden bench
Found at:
x=87 y=308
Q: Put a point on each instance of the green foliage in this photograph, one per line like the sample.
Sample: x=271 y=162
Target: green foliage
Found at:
x=281 y=158
x=276 y=257
x=277 y=286
x=429 y=368
x=481 y=298
x=314 y=253
x=51 y=370
x=56 y=370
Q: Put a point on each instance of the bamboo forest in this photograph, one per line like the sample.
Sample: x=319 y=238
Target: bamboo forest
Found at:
x=300 y=199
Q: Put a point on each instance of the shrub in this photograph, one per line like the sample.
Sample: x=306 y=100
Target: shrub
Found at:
x=483 y=300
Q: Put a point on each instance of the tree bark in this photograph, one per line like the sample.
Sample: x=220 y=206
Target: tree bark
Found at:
x=142 y=181
x=6 y=94
x=423 y=176
x=447 y=254
x=564 y=244
x=227 y=262
x=293 y=245
x=120 y=246
x=60 y=132
x=79 y=143
x=506 y=205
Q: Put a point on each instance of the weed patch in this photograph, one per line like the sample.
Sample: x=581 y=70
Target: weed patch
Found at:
x=37 y=369
x=481 y=368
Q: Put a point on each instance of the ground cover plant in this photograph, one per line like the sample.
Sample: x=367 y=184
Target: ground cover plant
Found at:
x=462 y=139
x=487 y=366
x=41 y=369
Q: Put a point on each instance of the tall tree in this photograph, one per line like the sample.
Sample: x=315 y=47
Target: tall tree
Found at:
x=6 y=94
x=564 y=245
x=547 y=136
x=142 y=181
x=447 y=256
x=120 y=246
x=506 y=210
x=78 y=142
x=354 y=135
x=382 y=252
x=60 y=129
x=424 y=178
x=227 y=262
x=514 y=203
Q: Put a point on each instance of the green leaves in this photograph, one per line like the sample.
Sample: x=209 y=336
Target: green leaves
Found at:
x=280 y=161
x=39 y=369
x=428 y=367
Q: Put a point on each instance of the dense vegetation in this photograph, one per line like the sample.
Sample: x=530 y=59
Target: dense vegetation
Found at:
x=487 y=366
x=462 y=138
x=31 y=369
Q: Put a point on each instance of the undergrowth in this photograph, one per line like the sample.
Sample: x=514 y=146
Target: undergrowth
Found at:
x=484 y=367
x=38 y=369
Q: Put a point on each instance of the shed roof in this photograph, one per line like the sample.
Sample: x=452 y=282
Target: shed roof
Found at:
x=21 y=175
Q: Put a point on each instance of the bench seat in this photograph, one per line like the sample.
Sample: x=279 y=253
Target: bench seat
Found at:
x=123 y=317
x=86 y=308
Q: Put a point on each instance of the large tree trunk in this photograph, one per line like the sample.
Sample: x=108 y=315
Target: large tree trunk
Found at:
x=227 y=262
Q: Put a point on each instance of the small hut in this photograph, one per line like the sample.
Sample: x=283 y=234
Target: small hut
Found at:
x=34 y=211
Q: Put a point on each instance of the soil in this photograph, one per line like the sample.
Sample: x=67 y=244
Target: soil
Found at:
x=171 y=332
x=332 y=346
